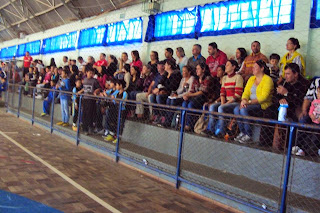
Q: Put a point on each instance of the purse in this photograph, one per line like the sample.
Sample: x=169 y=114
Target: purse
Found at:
x=202 y=124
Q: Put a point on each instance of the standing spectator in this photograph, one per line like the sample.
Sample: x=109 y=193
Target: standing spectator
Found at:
x=292 y=56
x=216 y=58
x=168 y=54
x=90 y=87
x=75 y=104
x=256 y=98
x=182 y=58
x=101 y=62
x=136 y=60
x=27 y=59
x=82 y=64
x=196 y=58
x=65 y=61
x=154 y=59
x=47 y=102
x=64 y=86
x=251 y=59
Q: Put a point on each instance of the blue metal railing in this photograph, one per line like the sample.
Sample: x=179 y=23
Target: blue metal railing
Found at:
x=177 y=177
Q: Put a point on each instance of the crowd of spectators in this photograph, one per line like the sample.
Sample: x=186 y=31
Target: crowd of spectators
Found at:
x=244 y=84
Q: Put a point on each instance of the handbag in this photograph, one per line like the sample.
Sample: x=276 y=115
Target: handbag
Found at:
x=202 y=124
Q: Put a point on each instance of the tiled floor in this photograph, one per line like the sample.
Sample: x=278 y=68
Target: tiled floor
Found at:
x=124 y=189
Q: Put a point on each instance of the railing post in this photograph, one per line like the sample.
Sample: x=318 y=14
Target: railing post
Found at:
x=287 y=172
x=19 y=102
x=78 y=121
x=118 y=130
x=52 y=111
x=33 y=104
x=183 y=119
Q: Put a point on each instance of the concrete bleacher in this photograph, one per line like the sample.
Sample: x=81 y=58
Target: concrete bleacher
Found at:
x=242 y=171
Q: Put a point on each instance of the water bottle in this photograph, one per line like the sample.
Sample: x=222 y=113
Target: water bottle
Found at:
x=177 y=121
x=282 y=112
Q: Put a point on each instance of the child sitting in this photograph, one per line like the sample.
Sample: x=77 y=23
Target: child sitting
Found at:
x=47 y=102
x=274 y=68
x=112 y=118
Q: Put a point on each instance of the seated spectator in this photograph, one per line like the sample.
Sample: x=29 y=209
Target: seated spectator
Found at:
x=154 y=59
x=65 y=61
x=147 y=78
x=44 y=82
x=101 y=78
x=135 y=83
x=48 y=101
x=91 y=61
x=168 y=53
x=182 y=58
x=256 y=98
x=73 y=62
x=64 y=86
x=176 y=97
x=292 y=91
x=230 y=96
x=216 y=57
x=101 y=62
x=199 y=94
x=3 y=85
x=314 y=112
x=196 y=58
x=55 y=75
x=127 y=75
x=119 y=74
x=292 y=57
x=82 y=64
x=52 y=63
x=112 y=66
x=274 y=68
x=247 y=68
x=169 y=83
x=15 y=78
x=241 y=54
x=112 y=120
x=136 y=60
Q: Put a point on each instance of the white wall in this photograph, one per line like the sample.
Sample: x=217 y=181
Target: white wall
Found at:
x=272 y=42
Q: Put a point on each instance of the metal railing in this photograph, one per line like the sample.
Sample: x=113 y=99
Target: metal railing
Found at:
x=191 y=159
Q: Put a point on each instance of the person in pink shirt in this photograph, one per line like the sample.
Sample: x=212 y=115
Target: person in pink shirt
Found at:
x=136 y=60
x=215 y=59
x=314 y=111
x=101 y=62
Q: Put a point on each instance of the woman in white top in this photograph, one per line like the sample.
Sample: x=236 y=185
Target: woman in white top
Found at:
x=182 y=58
x=176 y=98
x=119 y=74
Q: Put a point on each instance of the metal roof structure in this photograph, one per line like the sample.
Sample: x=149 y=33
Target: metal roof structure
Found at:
x=31 y=16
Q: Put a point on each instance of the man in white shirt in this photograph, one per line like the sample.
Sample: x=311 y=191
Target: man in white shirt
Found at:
x=82 y=63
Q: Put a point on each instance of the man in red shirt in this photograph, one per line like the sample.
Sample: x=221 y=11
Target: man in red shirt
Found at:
x=27 y=59
x=101 y=62
x=215 y=59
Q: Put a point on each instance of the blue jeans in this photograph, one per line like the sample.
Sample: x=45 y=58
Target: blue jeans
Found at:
x=46 y=106
x=220 y=126
x=170 y=113
x=250 y=110
x=64 y=110
x=159 y=99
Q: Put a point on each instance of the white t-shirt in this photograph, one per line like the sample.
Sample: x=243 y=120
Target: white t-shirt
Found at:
x=82 y=65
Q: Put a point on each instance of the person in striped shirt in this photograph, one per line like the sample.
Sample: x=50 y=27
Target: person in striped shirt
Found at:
x=230 y=93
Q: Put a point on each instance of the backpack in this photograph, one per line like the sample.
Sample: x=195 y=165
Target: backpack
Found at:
x=232 y=129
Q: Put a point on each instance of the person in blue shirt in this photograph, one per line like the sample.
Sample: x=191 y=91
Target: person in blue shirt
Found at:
x=47 y=102
x=3 y=86
x=112 y=116
x=64 y=86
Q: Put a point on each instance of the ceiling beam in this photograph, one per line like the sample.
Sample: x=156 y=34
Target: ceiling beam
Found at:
x=74 y=13
x=113 y=4
x=41 y=2
x=22 y=15
x=29 y=9
x=7 y=27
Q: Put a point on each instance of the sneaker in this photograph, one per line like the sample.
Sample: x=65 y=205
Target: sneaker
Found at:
x=60 y=123
x=100 y=132
x=239 y=137
x=65 y=124
x=296 y=150
x=108 y=138
x=245 y=139
x=74 y=128
x=106 y=132
x=114 y=141
x=300 y=153
x=43 y=114
x=39 y=97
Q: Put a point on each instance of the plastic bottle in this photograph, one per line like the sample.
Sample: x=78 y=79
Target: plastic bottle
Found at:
x=282 y=115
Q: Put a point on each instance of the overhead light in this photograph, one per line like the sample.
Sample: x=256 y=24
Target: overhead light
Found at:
x=151 y=6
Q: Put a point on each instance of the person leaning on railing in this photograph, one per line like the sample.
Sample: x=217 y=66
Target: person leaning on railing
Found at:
x=256 y=98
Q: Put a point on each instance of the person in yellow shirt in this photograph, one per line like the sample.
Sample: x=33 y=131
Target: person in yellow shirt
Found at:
x=256 y=98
